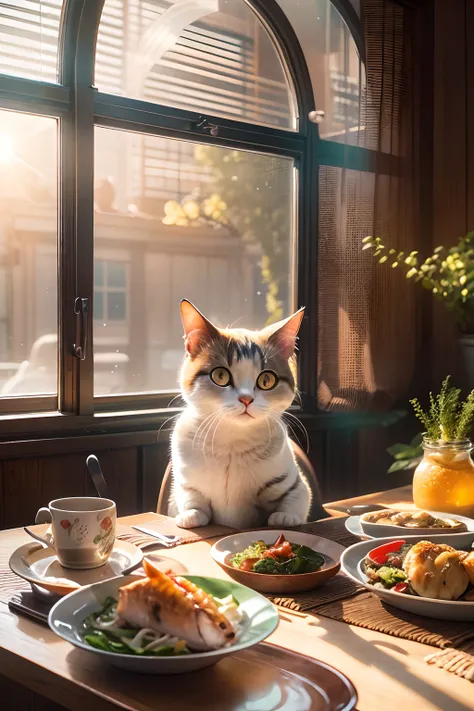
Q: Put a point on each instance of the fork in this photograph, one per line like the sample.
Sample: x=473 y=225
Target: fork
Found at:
x=165 y=539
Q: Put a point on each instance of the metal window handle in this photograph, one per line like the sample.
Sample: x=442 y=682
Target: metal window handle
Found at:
x=205 y=125
x=81 y=308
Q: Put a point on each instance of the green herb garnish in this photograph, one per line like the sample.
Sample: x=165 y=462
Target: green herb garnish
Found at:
x=447 y=418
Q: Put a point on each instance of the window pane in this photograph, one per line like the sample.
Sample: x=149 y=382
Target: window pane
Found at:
x=116 y=306
x=99 y=273
x=116 y=274
x=28 y=254
x=98 y=305
x=185 y=220
x=29 y=38
x=337 y=73
x=211 y=56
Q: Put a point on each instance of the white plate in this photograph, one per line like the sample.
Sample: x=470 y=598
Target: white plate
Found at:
x=465 y=538
x=40 y=567
x=67 y=616
x=439 y=609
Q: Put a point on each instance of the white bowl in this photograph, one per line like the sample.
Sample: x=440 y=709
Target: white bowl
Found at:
x=67 y=616
x=439 y=609
x=382 y=530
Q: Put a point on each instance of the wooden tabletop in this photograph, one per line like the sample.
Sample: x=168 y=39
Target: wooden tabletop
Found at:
x=388 y=673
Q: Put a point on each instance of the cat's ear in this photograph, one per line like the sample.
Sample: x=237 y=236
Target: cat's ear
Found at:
x=284 y=333
x=197 y=329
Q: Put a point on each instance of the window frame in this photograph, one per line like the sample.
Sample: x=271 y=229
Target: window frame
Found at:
x=79 y=107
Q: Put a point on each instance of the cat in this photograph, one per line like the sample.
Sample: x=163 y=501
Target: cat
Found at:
x=232 y=460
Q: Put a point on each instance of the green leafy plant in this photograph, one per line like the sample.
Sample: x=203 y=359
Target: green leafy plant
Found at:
x=406 y=456
x=448 y=273
x=447 y=419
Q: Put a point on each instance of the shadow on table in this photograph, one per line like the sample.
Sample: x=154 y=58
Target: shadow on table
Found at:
x=372 y=654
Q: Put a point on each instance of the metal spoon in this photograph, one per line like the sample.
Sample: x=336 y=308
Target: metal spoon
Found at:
x=96 y=475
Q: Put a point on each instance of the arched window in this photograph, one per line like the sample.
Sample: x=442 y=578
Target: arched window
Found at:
x=200 y=55
x=198 y=141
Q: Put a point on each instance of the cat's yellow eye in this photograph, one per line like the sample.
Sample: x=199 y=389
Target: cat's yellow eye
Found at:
x=267 y=380
x=221 y=377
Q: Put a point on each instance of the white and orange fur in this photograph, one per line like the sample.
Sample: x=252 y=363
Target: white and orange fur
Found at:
x=231 y=457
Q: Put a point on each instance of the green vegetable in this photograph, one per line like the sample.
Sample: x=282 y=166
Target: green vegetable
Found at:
x=253 y=551
x=100 y=640
x=305 y=561
x=391 y=576
x=267 y=565
x=311 y=560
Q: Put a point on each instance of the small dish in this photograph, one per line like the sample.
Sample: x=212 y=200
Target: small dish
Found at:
x=67 y=616
x=227 y=547
x=351 y=564
x=40 y=567
x=382 y=530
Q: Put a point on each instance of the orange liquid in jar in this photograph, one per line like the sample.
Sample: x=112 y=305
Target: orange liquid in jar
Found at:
x=444 y=481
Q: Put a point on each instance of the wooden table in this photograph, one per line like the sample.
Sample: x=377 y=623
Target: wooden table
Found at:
x=388 y=673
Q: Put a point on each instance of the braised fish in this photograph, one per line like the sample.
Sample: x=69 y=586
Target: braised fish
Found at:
x=174 y=605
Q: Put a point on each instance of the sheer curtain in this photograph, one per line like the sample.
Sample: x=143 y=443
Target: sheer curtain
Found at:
x=367 y=310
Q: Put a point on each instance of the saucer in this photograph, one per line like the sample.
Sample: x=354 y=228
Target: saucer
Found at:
x=39 y=566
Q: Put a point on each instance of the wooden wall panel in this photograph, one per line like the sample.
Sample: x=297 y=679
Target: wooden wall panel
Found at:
x=120 y=468
x=155 y=459
x=31 y=483
x=453 y=162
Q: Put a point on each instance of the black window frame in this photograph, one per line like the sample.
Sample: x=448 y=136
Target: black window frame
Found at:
x=79 y=107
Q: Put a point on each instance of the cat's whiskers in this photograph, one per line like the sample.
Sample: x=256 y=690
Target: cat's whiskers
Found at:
x=299 y=424
x=201 y=428
x=176 y=397
x=173 y=417
x=267 y=421
x=205 y=434
x=214 y=434
x=214 y=423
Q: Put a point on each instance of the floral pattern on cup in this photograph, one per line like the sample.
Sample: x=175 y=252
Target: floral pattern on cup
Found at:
x=76 y=531
x=106 y=537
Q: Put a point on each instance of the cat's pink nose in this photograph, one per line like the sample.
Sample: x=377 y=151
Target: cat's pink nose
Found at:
x=246 y=399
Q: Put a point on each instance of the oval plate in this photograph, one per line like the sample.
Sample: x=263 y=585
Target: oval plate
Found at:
x=464 y=538
x=40 y=567
x=438 y=609
x=67 y=616
x=224 y=549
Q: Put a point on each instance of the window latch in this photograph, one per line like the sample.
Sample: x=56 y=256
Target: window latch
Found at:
x=205 y=125
x=81 y=309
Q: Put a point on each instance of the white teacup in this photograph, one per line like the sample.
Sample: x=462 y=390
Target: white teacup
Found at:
x=83 y=530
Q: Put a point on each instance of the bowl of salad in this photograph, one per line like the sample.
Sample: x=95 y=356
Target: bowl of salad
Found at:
x=280 y=562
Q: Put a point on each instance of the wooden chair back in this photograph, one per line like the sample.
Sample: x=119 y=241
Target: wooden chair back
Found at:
x=304 y=464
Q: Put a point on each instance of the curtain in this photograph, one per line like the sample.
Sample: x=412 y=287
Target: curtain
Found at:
x=368 y=311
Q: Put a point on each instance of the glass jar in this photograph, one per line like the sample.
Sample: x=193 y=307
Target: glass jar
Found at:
x=444 y=479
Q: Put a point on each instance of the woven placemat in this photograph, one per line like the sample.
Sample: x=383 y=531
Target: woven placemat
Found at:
x=341 y=599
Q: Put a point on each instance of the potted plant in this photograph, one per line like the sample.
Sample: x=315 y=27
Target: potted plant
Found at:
x=449 y=274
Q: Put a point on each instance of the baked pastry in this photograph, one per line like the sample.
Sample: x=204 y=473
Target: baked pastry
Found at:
x=435 y=570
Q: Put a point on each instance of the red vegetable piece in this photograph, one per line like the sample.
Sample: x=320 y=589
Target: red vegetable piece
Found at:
x=379 y=555
x=400 y=587
x=248 y=563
